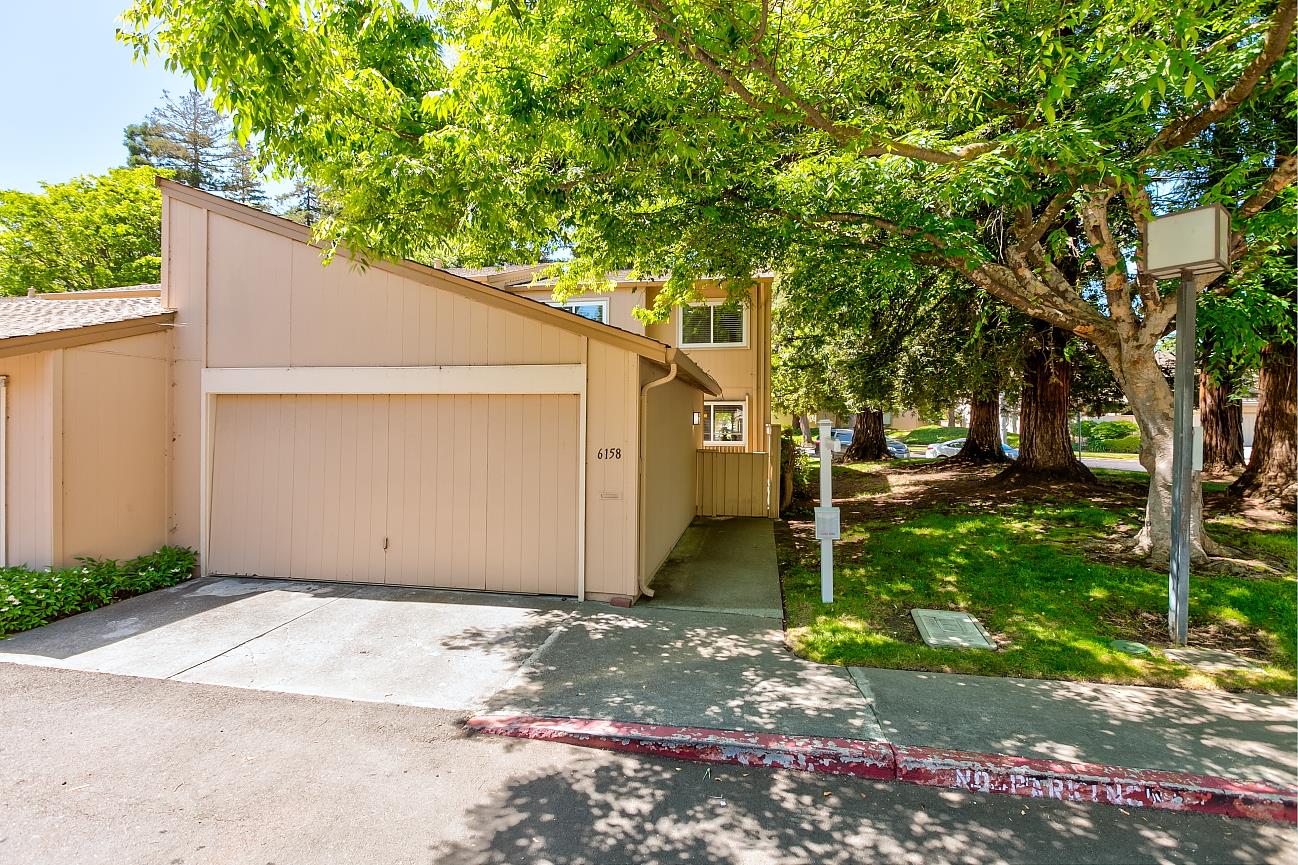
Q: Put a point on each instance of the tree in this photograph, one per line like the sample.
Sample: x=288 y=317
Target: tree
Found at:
x=1045 y=449
x=90 y=232
x=696 y=137
x=1272 y=471
x=242 y=181
x=187 y=136
x=302 y=204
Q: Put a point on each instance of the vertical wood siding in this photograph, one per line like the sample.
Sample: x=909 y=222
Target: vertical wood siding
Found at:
x=307 y=314
x=114 y=448
x=612 y=489
x=669 y=467
x=468 y=491
x=29 y=439
x=732 y=484
x=743 y=373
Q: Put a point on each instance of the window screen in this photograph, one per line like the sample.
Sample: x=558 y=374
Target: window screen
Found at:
x=711 y=325
x=696 y=325
x=727 y=325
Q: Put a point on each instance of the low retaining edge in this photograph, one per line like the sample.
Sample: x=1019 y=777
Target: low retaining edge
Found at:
x=931 y=767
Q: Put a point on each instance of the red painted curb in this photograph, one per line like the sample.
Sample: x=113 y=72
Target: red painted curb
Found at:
x=863 y=759
x=1089 y=782
x=931 y=767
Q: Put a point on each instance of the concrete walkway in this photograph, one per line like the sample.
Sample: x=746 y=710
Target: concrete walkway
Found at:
x=722 y=565
x=1240 y=736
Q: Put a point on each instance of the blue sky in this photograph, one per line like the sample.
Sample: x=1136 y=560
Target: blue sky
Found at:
x=69 y=88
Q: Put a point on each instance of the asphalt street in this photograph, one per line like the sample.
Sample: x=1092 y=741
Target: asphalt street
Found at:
x=1119 y=465
x=116 y=769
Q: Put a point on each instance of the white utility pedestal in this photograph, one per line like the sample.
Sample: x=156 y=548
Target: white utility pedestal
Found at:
x=827 y=517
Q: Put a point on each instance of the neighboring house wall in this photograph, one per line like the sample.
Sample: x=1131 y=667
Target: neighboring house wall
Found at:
x=114 y=447
x=86 y=451
x=743 y=373
x=30 y=457
x=671 y=439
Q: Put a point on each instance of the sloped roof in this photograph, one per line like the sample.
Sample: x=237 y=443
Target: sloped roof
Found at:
x=29 y=316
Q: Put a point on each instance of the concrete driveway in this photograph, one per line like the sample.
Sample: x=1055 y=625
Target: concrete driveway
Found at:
x=699 y=655
x=441 y=650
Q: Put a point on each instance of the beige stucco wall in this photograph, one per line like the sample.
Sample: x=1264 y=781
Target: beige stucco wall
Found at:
x=30 y=457
x=114 y=448
x=669 y=466
x=743 y=373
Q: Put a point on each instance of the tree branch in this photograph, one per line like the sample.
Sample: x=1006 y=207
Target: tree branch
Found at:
x=1117 y=287
x=1273 y=48
x=811 y=114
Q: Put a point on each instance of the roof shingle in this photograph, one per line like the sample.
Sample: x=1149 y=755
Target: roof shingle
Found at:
x=28 y=316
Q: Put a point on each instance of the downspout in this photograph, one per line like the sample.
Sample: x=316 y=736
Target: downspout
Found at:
x=642 y=578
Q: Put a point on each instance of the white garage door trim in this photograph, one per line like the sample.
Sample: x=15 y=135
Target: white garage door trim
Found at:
x=567 y=378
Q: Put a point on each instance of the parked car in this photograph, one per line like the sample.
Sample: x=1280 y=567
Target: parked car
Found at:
x=952 y=447
x=839 y=439
x=944 y=449
x=898 y=450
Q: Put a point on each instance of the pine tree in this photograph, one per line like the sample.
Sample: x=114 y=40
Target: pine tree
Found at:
x=186 y=135
x=242 y=181
x=302 y=204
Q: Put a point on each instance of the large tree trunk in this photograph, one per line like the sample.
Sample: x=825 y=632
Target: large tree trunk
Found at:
x=1150 y=399
x=983 y=442
x=1223 y=426
x=868 y=442
x=1045 y=448
x=1271 y=474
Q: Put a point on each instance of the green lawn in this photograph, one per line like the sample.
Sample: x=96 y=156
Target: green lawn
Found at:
x=1021 y=568
x=920 y=437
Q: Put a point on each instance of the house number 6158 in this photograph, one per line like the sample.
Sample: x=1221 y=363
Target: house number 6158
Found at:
x=608 y=454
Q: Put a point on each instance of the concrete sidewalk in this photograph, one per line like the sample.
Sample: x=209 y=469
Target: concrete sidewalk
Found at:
x=1241 y=736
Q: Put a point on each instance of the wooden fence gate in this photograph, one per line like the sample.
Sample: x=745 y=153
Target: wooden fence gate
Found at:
x=737 y=484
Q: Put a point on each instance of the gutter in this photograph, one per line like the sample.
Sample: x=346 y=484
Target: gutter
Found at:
x=642 y=579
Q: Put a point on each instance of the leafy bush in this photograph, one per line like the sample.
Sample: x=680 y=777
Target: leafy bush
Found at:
x=1124 y=445
x=1095 y=430
x=29 y=598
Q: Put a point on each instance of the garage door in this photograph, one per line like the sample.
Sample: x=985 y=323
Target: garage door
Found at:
x=453 y=491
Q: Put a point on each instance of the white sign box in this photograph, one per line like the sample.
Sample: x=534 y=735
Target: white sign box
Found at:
x=828 y=527
x=1197 y=241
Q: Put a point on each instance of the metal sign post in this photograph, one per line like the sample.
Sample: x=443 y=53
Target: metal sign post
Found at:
x=1191 y=244
x=827 y=517
x=1183 y=474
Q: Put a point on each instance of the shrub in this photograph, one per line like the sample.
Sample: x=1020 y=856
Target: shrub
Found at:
x=1124 y=445
x=30 y=598
x=1105 y=429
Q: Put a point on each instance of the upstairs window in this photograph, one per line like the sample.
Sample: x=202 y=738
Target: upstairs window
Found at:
x=713 y=325
x=595 y=310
